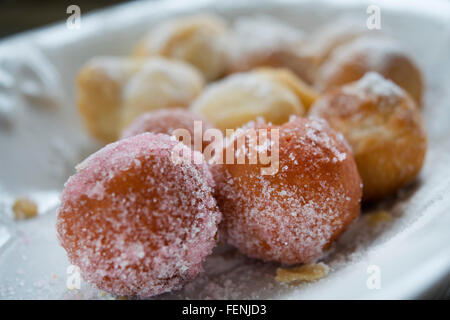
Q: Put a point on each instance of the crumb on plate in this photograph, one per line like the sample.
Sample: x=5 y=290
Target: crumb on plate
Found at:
x=306 y=272
x=24 y=208
x=378 y=217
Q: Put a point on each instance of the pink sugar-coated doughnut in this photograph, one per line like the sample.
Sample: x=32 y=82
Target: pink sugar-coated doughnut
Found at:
x=167 y=121
x=135 y=222
x=295 y=214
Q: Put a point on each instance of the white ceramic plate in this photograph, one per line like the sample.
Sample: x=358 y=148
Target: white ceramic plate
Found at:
x=41 y=140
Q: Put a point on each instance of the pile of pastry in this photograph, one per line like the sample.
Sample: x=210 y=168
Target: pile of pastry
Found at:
x=340 y=110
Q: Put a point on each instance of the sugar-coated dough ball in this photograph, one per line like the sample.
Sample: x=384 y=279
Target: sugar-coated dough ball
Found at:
x=136 y=223
x=295 y=214
x=200 y=40
x=160 y=83
x=243 y=97
x=305 y=93
x=351 y=61
x=384 y=127
x=167 y=121
x=99 y=95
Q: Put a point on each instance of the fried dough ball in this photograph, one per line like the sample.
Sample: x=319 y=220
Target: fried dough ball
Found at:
x=267 y=42
x=351 y=61
x=136 y=223
x=384 y=127
x=160 y=83
x=243 y=97
x=167 y=121
x=264 y=41
x=294 y=214
x=305 y=93
x=113 y=91
x=99 y=96
x=321 y=43
x=200 y=40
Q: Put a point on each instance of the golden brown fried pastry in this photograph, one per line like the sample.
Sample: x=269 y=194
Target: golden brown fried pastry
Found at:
x=200 y=40
x=384 y=127
x=113 y=91
x=242 y=97
x=305 y=93
x=99 y=94
x=351 y=61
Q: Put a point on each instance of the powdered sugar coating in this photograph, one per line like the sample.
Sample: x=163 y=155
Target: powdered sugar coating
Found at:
x=135 y=222
x=293 y=215
x=373 y=84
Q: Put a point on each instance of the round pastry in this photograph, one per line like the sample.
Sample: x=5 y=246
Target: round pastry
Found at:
x=384 y=127
x=264 y=41
x=167 y=121
x=243 y=97
x=113 y=91
x=99 y=94
x=160 y=83
x=351 y=61
x=200 y=40
x=293 y=214
x=136 y=223
x=321 y=43
x=304 y=92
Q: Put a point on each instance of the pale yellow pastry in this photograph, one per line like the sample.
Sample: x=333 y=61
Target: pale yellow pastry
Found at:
x=99 y=94
x=351 y=61
x=200 y=40
x=160 y=83
x=305 y=93
x=113 y=91
x=384 y=128
x=243 y=97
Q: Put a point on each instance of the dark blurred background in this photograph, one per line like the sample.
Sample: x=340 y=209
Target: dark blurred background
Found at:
x=22 y=15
